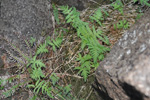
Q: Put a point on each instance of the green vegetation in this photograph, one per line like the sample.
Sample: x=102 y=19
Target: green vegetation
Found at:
x=143 y=2
x=98 y=16
x=89 y=38
x=55 y=43
x=117 y=5
x=121 y=24
x=91 y=45
x=55 y=12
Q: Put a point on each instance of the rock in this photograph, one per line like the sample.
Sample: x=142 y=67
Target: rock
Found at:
x=82 y=4
x=19 y=21
x=125 y=72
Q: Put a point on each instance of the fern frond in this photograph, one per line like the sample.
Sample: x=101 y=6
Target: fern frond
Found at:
x=55 y=11
x=48 y=42
x=41 y=49
x=11 y=91
x=72 y=16
x=44 y=86
x=101 y=36
x=84 y=71
x=32 y=41
x=57 y=42
x=54 y=78
x=67 y=89
x=35 y=63
x=37 y=74
x=65 y=9
x=97 y=16
x=39 y=63
x=83 y=43
x=94 y=51
x=85 y=67
x=89 y=38
x=38 y=86
x=84 y=58
x=84 y=74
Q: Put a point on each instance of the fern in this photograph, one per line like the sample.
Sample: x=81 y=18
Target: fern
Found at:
x=143 y=2
x=36 y=66
x=97 y=16
x=43 y=86
x=2 y=83
x=54 y=78
x=54 y=43
x=118 y=6
x=57 y=42
x=89 y=39
x=32 y=41
x=67 y=89
x=55 y=11
x=11 y=90
x=72 y=16
x=37 y=74
x=41 y=49
x=85 y=67
x=33 y=98
x=84 y=58
x=105 y=12
x=84 y=70
x=35 y=63
x=121 y=24
x=96 y=50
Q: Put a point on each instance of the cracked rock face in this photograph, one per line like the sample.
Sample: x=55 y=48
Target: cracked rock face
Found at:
x=125 y=72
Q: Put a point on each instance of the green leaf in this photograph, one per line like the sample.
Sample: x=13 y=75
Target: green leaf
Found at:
x=97 y=16
x=42 y=49
x=67 y=89
x=55 y=11
x=39 y=63
x=37 y=74
x=54 y=78
x=32 y=41
x=84 y=58
x=34 y=97
x=44 y=87
x=101 y=57
x=39 y=86
x=107 y=14
x=84 y=74
x=49 y=94
x=48 y=42
x=54 y=48
x=30 y=86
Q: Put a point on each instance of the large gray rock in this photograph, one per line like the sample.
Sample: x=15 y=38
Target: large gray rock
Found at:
x=20 y=20
x=125 y=72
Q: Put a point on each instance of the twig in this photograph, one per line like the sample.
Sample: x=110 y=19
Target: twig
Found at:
x=89 y=94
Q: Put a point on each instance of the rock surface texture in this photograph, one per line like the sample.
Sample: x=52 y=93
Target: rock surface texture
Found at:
x=125 y=72
x=19 y=21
